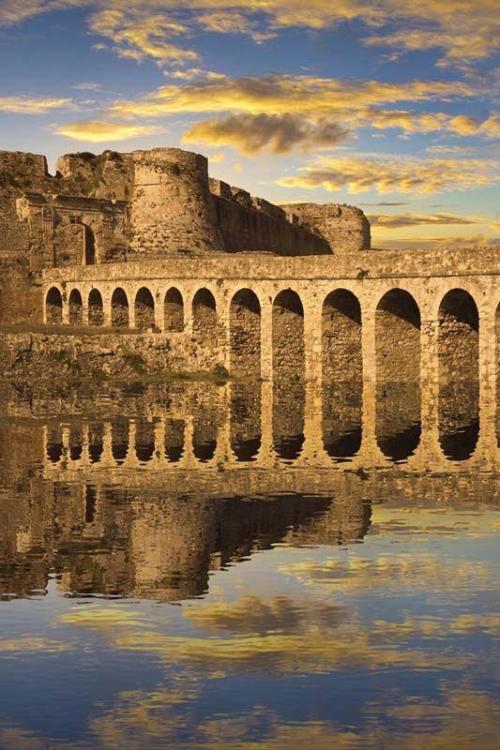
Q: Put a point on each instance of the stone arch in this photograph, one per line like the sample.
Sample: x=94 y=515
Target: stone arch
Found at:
x=458 y=348
x=342 y=371
x=205 y=328
x=95 y=308
x=119 y=309
x=173 y=310
x=398 y=354
x=288 y=374
x=245 y=336
x=75 y=308
x=144 y=307
x=74 y=244
x=54 y=307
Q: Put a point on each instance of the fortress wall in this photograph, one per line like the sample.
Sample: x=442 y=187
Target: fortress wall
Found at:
x=345 y=228
x=252 y=224
x=171 y=207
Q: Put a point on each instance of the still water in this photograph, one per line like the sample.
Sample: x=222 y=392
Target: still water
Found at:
x=202 y=567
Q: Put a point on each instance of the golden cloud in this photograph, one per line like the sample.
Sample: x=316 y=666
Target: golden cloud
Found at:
x=465 y=30
x=409 y=219
x=100 y=131
x=287 y=95
x=25 y=105
x=278 y=134
x=389 y=175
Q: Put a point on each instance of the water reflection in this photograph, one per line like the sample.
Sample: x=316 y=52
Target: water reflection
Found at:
x=398 y=425
x=331 y=603
x=342 y=414
x=459 y=419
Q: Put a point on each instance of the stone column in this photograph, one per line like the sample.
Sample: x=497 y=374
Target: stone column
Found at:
x=106 y=309
x=159 y=312
x=369 y=453
x=486 y=450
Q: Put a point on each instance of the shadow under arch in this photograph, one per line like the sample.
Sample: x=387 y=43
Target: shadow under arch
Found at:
x=245 y=334
x=119 y=309
x=75 y=308
x=342 y=374
x=205 y=328
x=458 y=353
x=173 y=310
x=54 y=307
x=144 y=309
x=95 y=308
x=288 y=374
x=398 y=388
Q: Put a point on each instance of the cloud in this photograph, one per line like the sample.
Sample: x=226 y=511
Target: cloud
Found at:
x=278 y=134
x=396 y=221
x=25 y=105
x=100 y=131
x=387 y=174
x=88 y=86
x=464 y=31
x=138 y=34
x=278 y=94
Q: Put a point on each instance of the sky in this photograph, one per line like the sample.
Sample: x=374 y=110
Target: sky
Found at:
x=390 y=105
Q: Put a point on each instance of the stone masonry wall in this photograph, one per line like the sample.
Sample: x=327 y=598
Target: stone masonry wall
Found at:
x=252 y=224
x=345 y=228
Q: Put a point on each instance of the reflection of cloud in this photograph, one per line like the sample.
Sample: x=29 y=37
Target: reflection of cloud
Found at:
x=103 y=618
x=463 y=718
x=392 y=571
x=98 y=131
x=267 y=635
x=252 y=614
x=390 y=175
x=31 y=644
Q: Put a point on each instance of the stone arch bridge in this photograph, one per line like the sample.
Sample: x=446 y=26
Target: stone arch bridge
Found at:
x=421 y=328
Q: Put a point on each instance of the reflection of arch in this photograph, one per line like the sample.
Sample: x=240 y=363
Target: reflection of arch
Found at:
x=55 y=446
x=144 y=309
x=245 y=423
x=96 y=311
x=342 y=366
x=244 y=324
x=288 y=374
x=144 y=440
x=96 y=441
x=119 y=309
x=119 y=440
x=397 y=341
x=75 y=442
x=54 y=307
x=174 y=439
x=75 y=308
x=458 y=347
x=173 y=310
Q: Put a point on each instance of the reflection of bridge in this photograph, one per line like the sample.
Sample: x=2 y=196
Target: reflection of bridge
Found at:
x=248 y=430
